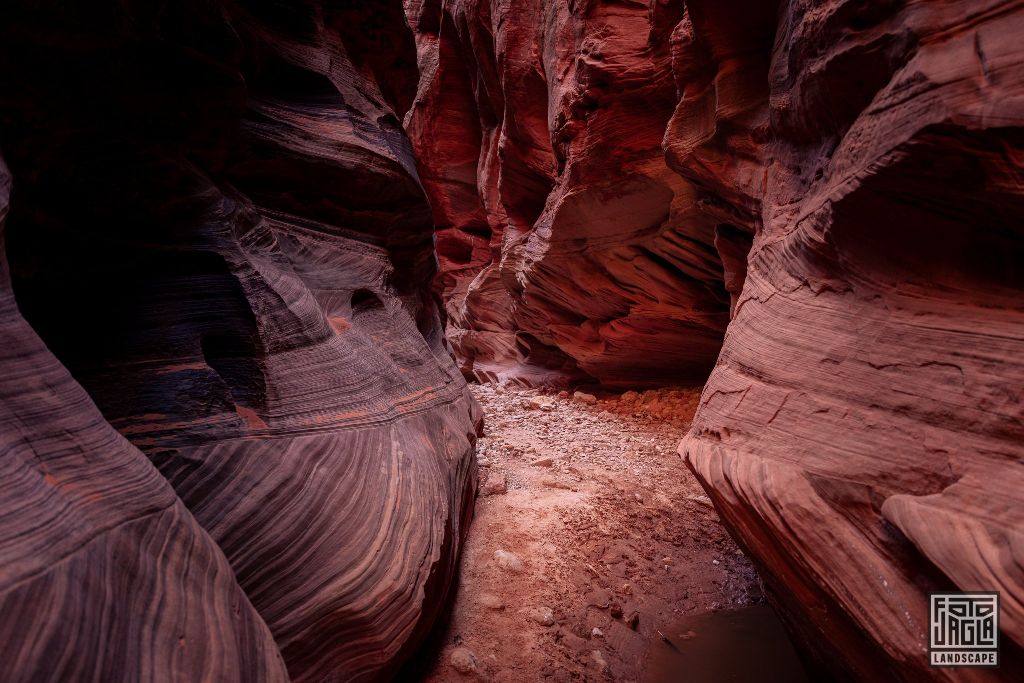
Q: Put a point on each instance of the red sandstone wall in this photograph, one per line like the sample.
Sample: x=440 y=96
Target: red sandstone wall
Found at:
x=217 y=228
x=612 y=181
x=862 y=431
x=569 y=248
x=218 y=255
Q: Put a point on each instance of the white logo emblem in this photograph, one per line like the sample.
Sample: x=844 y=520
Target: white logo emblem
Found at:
x=964 y=629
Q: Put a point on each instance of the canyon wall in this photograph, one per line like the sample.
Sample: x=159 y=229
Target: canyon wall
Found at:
x=613 y=181
x=569 y=249
x=234 y=440
x=863 y=431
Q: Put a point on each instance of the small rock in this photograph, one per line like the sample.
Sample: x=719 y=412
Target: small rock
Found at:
x=563 y=394
x=543 y=616
x=462 y=660
x=629 y=397
x=667 y=560
x=616 y=611
x=496 y=484
x=689 y=635
x=715 y=562
x=581 y=630
x=491 y=601
x=539 y=403
x=597 y=633
x=543 y=462
x=633 y=620
x=599 y=661
x=584 y=397
x=509 y=561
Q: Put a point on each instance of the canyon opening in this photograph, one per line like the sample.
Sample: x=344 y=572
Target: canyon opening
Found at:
x=532 y=340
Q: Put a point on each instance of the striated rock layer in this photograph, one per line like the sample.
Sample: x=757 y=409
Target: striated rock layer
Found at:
x=612 y=182
x=569 y=248
x=104 y=574
x=217 y=227
x=863 y=431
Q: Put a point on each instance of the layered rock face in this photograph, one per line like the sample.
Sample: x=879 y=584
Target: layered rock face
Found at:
x=613 y=181
x=863 y=431
x=216 y=227
x=104 y=574
x=569 y=248
x=234 y=445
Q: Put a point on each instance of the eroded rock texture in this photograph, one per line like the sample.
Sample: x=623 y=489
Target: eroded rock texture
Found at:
x=863 y=432
x=569 y=248
x=104 y=574
x=217 y=227
x=613 y=181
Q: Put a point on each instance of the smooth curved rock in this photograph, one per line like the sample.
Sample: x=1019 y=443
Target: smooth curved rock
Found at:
x=862 y=430
x=104 y=574
x=219 y=230
x=569 y=249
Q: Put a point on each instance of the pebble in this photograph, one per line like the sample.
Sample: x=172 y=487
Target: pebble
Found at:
x=543 y=462
x=508 y=561
x=462 y=660
x=539 y=403
x=597 y=633
x=543 y=616
x=580 y=630
x=496 y=484
x=584 y=397
x=715 y=562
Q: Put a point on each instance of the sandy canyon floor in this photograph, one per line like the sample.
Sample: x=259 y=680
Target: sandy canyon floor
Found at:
x=590 y=545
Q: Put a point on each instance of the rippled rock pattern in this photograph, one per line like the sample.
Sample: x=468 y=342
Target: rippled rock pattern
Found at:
x=217 y=227
x=104 y=574
x=863 y=431
x=569 y=248
x=613 y=182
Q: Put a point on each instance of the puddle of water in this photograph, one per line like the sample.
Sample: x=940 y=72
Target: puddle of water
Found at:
x=735 y=646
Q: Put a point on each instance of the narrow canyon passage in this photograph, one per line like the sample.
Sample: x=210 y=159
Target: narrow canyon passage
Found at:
x=591 y=541
x=296 y=297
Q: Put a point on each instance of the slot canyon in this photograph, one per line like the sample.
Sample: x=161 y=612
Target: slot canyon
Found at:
x=439 y=340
